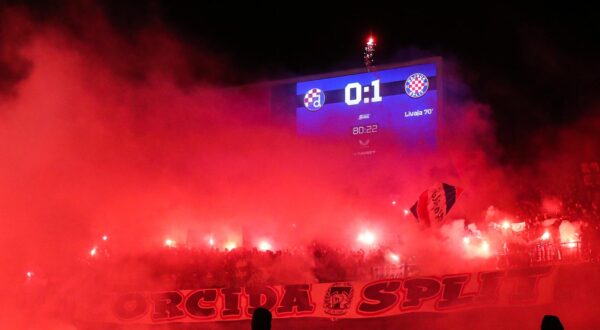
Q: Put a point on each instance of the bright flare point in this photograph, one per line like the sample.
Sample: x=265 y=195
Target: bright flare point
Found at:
x=485 y=246
x=366 y=237
x=230 y=246
x=546 y=235
x=264 y=246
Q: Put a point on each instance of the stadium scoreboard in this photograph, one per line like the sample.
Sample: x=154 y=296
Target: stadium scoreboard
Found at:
x=395 y=105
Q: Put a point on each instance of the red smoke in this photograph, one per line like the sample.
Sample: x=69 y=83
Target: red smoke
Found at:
x=102 y=134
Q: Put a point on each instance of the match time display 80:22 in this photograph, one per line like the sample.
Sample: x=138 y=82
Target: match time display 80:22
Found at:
x=365 y=129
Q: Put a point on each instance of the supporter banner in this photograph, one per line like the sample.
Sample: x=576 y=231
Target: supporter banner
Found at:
x=380 y=298
x=434 y=203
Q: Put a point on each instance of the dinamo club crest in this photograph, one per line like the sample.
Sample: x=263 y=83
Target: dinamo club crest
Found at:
x=338 y=298
x=314 y=99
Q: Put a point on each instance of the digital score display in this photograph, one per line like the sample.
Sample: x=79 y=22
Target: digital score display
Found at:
x=396 y=105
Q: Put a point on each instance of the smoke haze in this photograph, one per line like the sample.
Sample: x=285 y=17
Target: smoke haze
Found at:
x=104 y=134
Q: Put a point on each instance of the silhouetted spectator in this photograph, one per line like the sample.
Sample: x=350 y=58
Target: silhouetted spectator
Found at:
x=551 y=322
x=261 y=319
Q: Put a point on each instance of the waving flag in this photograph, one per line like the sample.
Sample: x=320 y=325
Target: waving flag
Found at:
x=435 y=203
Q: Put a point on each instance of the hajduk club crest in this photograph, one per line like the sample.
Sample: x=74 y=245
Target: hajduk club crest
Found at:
x=416 y=85
x=314 y=99
x=338 y=298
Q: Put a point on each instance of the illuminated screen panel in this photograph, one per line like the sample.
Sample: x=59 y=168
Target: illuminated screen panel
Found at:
x=398 y=105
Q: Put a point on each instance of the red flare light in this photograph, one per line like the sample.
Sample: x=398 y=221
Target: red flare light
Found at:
x=264 y=246
x=546 y=235
x=170 y=243
x=230 y=246
x=485 y=246
x=366 y=237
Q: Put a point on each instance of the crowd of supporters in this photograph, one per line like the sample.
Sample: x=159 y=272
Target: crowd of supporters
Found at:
x=517 y=242
x=184 y=267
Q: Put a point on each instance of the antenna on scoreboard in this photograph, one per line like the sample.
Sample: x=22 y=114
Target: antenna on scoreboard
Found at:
x=369 y=53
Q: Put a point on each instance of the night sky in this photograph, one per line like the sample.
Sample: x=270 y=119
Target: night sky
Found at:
x=537 y=67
